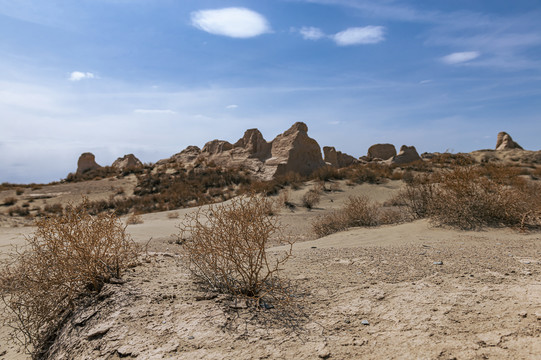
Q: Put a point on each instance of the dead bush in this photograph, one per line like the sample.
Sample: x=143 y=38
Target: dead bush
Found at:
x=134 y=219
x=311 y=198
x=226 y=248
x=68 y=257
x=10 y=201
x=329 y=224
x=466 y=199
x=470 y=197
x=417 y=196
x=358 y=211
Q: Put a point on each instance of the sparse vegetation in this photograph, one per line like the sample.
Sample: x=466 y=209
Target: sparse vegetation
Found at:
x=10 y=201
x=69 y=257
x=469 y=197
x=311 y=198
x=358 y=211
x=226 y=248
x=134 y=219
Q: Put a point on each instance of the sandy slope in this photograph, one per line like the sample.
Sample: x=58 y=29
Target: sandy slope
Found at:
x=484 y=301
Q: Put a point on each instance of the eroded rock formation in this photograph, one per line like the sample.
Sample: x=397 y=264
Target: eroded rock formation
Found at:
x=406 y=155
x=337 y=158
x=505 y=142
x=86 y=162
x=294 y=151
x=381 y=151
x=127 y=162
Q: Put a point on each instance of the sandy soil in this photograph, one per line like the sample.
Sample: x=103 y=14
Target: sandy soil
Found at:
x=378 y=293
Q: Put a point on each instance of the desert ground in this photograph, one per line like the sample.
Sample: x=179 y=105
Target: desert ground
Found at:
x=405 y=291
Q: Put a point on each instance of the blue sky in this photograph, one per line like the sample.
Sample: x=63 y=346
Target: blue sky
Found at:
x=151 y=77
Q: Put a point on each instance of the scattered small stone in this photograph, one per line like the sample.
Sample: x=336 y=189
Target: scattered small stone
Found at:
x=538 y=316
x=125 y=350
x=190 y=338
x=365 y=322
x=2 y=353
x=438 y=262
x=207 y=296
x=238 y=304
x=323 y=351
x=99 y=331
x=523 y=314
x=347 y=321
x=313 y=247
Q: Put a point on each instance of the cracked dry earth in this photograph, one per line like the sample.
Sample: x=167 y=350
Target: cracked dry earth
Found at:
x=393 y=300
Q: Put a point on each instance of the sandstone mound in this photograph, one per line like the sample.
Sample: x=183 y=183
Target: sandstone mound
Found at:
x=254 y=143
x=294 y=151
x=216 y=147
x=381 y=151
x=505 y=142
x=127 y=162
x=86 y=162
x=406 y=155
x=337 y=158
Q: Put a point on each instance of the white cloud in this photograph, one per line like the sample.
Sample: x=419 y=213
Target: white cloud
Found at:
x=360 y=35
x=78 y=75
x=460 y=57
x=311 y=33
x=232 y=106
x=233 y=22
x=154 y=111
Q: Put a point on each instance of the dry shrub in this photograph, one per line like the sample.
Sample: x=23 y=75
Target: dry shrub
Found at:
x=134 y=219
x=329 y=224
x=69 y=256
x=226 y=248
x=311 y=198
x=370 y=173
x=472 y=197
x=417 y=196
x=358 y=211
x=468 y=200
x=10 y=201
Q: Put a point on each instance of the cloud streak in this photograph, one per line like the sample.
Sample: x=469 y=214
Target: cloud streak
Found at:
x=233 y=22
x=359 y=36
x=79 y=75
x=460 y=57
x=311 y=33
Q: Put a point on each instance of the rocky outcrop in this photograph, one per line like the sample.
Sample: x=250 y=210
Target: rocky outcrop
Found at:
x=217 y=147
x=337 y=158
x=505 y=142
x=127 y=162
x=86 y=162
x=294 y=151
x=254 y=144
x=381 y=151
x=186 y=156
x=406 y=155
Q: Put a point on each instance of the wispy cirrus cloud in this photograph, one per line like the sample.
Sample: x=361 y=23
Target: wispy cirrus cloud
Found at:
x=460 y=57
x=79 y=75
x=311 y=33
x=350 y=36
x=235 y=22
x=360 y=35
